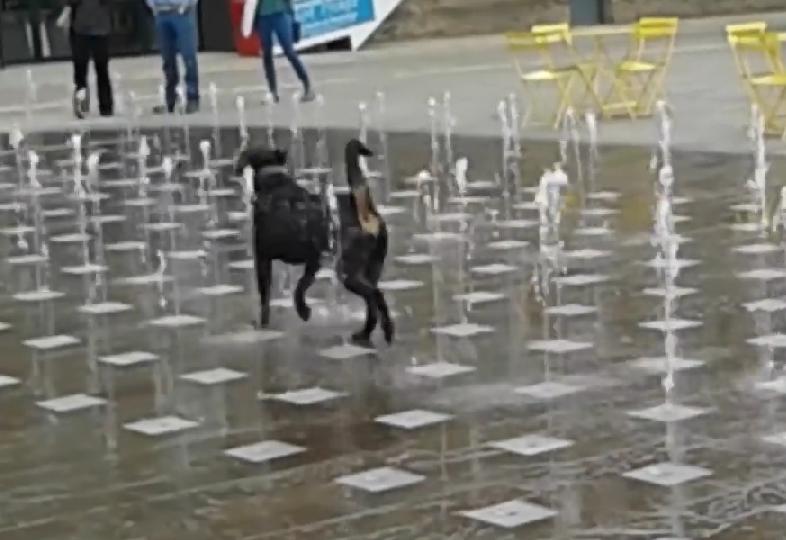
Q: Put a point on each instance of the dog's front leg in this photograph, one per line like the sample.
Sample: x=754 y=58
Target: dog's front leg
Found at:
x=264 y=276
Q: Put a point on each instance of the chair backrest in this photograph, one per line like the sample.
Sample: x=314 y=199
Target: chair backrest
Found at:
x=749 y=49
x=544 y=44
x=653 y=40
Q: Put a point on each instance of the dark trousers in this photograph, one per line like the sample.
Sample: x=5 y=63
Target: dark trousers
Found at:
x=280 y=25
x=83 y=49
x=177 y=34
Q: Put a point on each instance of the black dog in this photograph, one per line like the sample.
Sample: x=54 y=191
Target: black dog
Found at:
x=293 y=226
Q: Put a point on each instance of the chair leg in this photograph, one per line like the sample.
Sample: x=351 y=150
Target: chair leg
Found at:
x=565 y=101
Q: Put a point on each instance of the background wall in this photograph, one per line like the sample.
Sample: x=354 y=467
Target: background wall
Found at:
x=415 y=19
x=435 y=18
x=629 y=10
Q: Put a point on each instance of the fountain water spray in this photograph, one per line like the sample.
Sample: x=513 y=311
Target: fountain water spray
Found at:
x=570 y=136
x=297 y=145
x=207 y=182
x=161 y=279
x=143 y=154
x=661 y=155
x=758 y=184
x=182 y=100
x=435 y=167
x=515 y=124
x=382 y=155
x=271 y=130
x=448 y=122
x=240 y=105
x=38 y=222
x=592 y=135
x=321 y=157
x=212 y=94
x=31 y=94
x=549 y=200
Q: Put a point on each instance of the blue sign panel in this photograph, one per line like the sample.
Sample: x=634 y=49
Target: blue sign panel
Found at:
x=319 y=17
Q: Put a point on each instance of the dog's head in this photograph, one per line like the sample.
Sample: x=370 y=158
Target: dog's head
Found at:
x=260 y=158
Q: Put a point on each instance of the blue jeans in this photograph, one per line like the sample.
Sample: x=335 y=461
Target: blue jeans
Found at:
x=279 y=24
x=177 y=34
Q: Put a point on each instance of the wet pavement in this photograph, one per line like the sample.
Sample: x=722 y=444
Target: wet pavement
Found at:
x=537 y=394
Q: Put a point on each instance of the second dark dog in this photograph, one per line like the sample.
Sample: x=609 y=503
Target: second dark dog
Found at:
x=293 y=226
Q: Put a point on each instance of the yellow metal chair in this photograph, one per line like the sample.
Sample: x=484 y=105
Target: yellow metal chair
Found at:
x=749 y=51
x=637 y=81
x=543 y=45
x=586 y=70
x=769 y=90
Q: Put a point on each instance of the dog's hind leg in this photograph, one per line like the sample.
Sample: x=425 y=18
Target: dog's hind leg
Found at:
x=309 y=275
x=388 y=328
x=359 y=285
x=264 y=276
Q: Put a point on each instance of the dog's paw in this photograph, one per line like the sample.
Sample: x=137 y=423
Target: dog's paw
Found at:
x=389 y=330
x=361 y=339
x=304 y=312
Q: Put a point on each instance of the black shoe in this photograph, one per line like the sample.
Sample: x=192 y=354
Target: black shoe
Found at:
x=161 y=109
x=106 y=113
x=192 y=107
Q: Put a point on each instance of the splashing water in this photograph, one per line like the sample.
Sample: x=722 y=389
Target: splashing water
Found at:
x=32 y=174
x=515 y=124
x=758 y=184
x=240 y=105
x=462 y=166
x=161 y=278
x=432 y=113
x=448 y=122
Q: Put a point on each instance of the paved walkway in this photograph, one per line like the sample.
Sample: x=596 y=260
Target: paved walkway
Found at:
x=710 y=106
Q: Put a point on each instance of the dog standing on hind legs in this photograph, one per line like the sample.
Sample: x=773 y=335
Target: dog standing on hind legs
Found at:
x=293 y=226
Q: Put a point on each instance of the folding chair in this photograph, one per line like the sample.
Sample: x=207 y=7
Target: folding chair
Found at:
x=544 y=44
x=587 y=70
x=769 y=90
x=750 y=55
x=637 y=81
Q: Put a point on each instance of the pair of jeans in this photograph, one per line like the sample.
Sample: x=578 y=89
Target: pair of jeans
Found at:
x=177 y=34
x=83 y=49
x=280 y=25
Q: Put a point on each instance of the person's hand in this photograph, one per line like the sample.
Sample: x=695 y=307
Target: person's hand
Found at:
x=64 y=20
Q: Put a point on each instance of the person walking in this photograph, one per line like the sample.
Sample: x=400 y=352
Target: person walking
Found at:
x=89 y=25
x=277 y=17
x=176 y=28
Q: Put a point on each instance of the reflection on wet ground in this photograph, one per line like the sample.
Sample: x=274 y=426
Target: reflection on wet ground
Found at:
x=536 y=391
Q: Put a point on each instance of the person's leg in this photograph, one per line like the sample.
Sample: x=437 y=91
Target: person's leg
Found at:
x=167 y=44
x=100 y=53
x=80 y=54
x=265 y=25
x=186 y=31
x=283 y=30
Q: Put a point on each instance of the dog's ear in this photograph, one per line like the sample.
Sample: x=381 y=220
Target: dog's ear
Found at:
x=281 y=156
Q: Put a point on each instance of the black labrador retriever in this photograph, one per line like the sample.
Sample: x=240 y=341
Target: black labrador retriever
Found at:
x=294 y=226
